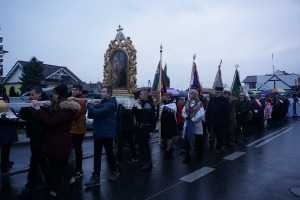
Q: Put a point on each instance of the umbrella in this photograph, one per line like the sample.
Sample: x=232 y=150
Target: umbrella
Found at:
x=173 y=91
x=189 y=132
x=278 y=90
x=183 y=93
x=266 y=92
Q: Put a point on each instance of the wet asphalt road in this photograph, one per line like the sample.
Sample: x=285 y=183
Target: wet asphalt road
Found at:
x=256 y=169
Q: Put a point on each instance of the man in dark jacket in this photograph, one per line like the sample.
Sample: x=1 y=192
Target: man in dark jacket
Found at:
x=35 y=131
x=242 y=108
x=104 y=132
x=218 y=114
x=145 y=126
x=258 y=107
x=126 y=128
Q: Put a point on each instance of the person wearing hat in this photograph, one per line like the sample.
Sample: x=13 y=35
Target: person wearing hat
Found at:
x=58 y=140
x=218 y=115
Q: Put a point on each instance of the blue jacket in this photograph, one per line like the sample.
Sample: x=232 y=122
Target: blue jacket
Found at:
x=104 y=118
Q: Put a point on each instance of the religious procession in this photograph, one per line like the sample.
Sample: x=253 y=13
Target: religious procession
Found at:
x=129 y=117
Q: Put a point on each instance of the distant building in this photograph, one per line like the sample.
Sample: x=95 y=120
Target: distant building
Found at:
x=54 y=75
x=280 y=79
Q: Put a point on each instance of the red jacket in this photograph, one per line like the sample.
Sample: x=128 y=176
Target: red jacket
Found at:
x=180 y=119
x=58 y=138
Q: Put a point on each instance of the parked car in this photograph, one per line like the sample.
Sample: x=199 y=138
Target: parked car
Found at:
x=89 y=123
x=21 y=122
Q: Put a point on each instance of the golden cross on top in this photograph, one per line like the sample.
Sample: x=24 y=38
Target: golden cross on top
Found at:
x=120 y=29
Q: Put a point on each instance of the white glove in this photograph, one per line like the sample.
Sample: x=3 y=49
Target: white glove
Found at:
x=256 y=111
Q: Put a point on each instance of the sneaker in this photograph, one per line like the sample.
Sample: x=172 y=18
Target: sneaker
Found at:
x=114 y=176
x=146 y=166
x=25 y=193
x=134 y=159
x=95 y=180
x=78 y=174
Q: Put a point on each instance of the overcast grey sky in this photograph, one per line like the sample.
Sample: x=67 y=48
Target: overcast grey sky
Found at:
x=76 y=34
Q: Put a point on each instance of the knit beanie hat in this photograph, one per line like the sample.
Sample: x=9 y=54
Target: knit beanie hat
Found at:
x=62 y=90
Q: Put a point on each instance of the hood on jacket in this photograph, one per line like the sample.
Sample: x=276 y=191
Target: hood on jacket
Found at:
x=73 y=105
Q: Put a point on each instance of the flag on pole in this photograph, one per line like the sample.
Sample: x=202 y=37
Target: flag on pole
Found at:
x=159 y=85
x=195 y=82
x=218 y=80
x=236 y=86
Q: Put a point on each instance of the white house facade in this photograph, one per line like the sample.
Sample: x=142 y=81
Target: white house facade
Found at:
x=280 y=79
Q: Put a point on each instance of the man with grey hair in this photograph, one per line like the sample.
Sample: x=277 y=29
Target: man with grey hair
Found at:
x=242 y=108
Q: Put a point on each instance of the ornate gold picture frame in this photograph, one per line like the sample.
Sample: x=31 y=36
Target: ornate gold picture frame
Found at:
x=120 y=65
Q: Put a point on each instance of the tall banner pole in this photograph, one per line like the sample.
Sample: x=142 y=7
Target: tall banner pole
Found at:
x=159 y=93
x=194 y=57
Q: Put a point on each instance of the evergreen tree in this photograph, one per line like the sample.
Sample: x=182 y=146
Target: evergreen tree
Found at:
x=32 y=75
x=12 y=92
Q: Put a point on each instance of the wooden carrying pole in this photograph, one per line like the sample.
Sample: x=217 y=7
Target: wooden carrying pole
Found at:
x=159 y=94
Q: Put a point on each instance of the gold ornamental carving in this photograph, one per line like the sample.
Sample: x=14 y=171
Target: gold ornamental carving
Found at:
x=120 y=65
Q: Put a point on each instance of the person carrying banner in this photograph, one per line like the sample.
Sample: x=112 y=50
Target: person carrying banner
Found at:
x=218 y=115
x=168 y=122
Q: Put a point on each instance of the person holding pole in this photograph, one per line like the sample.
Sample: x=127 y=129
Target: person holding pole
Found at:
x=145 y=126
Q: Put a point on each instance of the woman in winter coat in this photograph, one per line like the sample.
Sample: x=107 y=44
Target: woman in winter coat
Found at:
x=57 y=145
x=8 y=135
x=168 y=122
x=180 y=120
x=193 y=113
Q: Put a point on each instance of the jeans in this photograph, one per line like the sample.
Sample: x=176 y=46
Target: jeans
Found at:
x=108 y=146
x=36 y=161
x=77 y=140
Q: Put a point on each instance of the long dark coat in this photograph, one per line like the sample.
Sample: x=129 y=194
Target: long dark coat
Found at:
x=242 y=107
x=8 y=131
x=58 y=138
x=218 y=111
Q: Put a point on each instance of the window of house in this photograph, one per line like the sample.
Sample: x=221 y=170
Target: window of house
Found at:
x=252 y=85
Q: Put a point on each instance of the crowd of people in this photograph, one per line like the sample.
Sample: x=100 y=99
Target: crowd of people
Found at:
x=53 y=129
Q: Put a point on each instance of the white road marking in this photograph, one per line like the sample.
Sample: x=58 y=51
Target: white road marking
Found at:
x=197 y=174
x=268 y=140
x=234 y=155
x=267 y=136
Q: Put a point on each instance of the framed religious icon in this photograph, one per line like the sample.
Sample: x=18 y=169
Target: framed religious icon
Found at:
x=118 y=73
x=120 y=66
